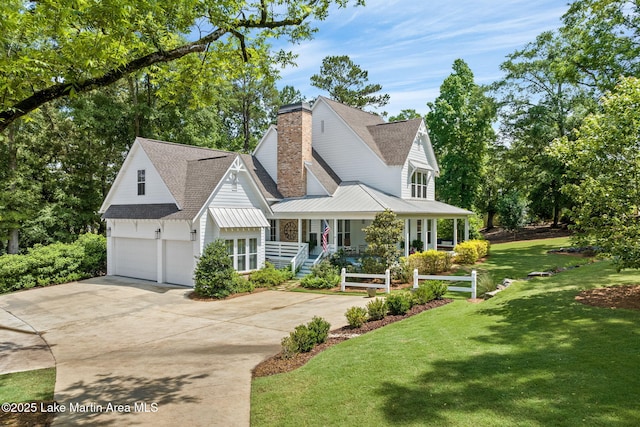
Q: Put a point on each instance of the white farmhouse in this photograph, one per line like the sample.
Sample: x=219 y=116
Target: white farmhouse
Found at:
x=326 y=170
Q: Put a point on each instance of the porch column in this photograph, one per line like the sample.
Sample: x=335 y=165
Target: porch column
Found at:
x=434 y=233
x=406 y=237
x=466 y=228
x=455 y=232
x=299 y=231
x=335 y=233
x=425 y=230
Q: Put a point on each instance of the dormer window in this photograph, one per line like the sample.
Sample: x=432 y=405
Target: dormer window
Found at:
x=419 y=185
x=141 y=182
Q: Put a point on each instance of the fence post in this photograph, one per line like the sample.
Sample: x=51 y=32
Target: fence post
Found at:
x=415 y=278
x=343 y=278
x=387 y=281
x=474 y=279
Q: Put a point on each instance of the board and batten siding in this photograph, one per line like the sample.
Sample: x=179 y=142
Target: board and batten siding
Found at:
x=419 y=154
x=127 y=191
x=267 y=153
x=348 y=156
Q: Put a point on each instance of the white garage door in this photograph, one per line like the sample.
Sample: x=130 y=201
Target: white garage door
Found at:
x=179 y=262
x=136 y=258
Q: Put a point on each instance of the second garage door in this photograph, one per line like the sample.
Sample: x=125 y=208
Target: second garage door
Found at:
x=136 y=258
x=179 y=262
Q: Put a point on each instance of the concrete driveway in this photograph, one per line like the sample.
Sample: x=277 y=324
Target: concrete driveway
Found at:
x=147 y=347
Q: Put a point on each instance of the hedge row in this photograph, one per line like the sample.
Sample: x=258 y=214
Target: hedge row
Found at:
x=55 y=263
x=430 y=262
x=471 y=251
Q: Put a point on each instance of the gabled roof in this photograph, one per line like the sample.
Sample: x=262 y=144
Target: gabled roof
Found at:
x=265 y=183
x=323 y=173
x=356 y=197
x=391 y=142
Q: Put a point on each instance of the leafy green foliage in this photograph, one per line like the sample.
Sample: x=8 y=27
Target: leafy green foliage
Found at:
x=431 y=261
x=53 y=264
x=399 y=303
x=512 y=209
x=323 y=276
x=460 y=127
x=269 y=276
x=382 y=236
x=214 y=275
x=605 y=163
x=319 y=329
x=377 y=309
x=423 y=294
x=305 y=337
x=346 y=83
x=466 y=253
x=356 y=316
x=437 y=287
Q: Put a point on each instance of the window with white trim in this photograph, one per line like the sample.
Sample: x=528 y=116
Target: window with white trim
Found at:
x=243 y=253
x=141 y=182
x=419 y=187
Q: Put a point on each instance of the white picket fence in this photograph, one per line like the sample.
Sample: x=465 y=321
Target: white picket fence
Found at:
x=473 y=279
x=386 y=276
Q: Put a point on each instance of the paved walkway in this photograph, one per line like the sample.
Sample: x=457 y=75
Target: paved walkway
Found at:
x=148 y=347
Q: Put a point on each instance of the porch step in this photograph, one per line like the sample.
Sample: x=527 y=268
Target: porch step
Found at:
x=305 y=269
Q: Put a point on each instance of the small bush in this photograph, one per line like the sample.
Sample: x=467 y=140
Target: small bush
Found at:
x=243 y=285
x=214 y=275
x=377 y=309
x=339 y=259
x=305 y=337
x=482 y=246
x=466 y=253
x=323 y=276
x=399 y=303
x=485 y=283
x=269 y=276
x=437 y=287
x=356 y=316
x=430 y=262
x=319 y=329
x=401 y=271
x=423 y=294
x=373 y=265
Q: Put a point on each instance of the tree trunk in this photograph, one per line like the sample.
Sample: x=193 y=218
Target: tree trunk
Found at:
x=13 y=246
x=490 y=216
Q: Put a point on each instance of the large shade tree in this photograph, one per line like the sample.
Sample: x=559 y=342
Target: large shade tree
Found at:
x=605 y=163
x=54 y=48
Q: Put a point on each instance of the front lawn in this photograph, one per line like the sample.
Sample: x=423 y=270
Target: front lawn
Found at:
x=531 y=356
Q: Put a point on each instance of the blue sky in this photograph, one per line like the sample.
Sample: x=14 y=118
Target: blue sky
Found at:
x=408 y=46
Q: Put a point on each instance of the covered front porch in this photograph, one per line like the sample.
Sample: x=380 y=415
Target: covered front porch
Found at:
x=296 y=241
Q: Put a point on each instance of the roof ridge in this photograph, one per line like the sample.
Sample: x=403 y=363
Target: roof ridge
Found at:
x=365 y=188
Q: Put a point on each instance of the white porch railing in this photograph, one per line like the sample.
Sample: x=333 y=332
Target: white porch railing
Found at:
x=386 y=276
x=286 y=253
x=320 y=257
x=473 y=279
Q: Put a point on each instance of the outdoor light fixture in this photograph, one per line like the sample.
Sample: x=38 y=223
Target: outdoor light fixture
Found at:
x=194 y=233
x=158 y=231
x=108 y=231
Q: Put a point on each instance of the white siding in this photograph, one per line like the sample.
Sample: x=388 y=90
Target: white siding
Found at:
x=267 y=153
x=241 y=195
x=419 y=154
x=314 y=188
x=348 y=156
x=126 y=190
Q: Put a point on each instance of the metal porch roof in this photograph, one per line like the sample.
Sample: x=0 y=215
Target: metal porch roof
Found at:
x=239 y=217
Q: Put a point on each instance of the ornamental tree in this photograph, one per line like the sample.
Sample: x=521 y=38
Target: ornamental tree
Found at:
x=383 y=236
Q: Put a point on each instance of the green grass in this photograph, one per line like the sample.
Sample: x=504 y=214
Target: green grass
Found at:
x=531 y=356
x=28 y=386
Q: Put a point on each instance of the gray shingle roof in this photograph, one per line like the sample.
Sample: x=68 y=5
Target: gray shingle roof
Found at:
x=151 y=211
x=325 y=175
x=389 y=141
x=260 y=175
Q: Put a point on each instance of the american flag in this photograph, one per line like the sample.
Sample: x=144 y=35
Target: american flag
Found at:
x=325 y=236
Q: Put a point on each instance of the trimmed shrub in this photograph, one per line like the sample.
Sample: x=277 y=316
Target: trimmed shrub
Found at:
x=356 y=316
x=243 y=285
x=269 y=276
x=437 y=287
x=319 y=329
x=430 y=262
x=423 y=294
x=399 y=303
x=373 y=265
x=54 y=264
x=214 y=275
x=323 y=276
x=466 y=253
x=305 y=337
x=377 y=309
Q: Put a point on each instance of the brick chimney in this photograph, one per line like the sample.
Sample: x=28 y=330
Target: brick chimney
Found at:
x=294 y=148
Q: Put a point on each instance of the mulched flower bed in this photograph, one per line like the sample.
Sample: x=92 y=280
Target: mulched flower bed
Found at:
x=278 y=364
x=626 y=296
